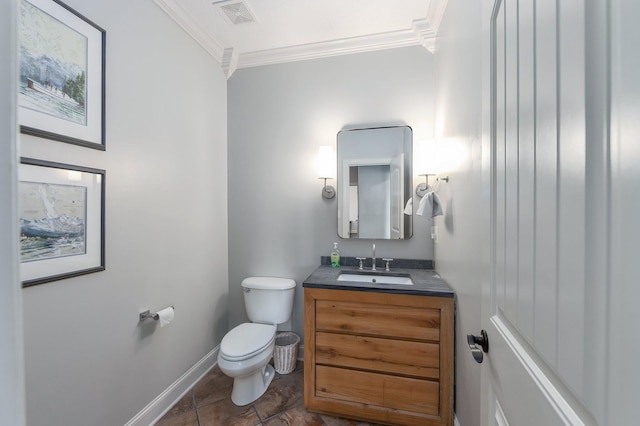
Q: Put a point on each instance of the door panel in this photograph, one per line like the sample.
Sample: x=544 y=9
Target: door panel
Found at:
x=545 y=175
x=499 y=142
x=536 y=318
x=511 y=144
x=571 y=194
x=536 y=399
x=623 y=292
x=526 y=168
x=499 y=417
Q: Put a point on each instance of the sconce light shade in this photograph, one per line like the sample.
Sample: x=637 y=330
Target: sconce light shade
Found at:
x=327 y=169
x=326 y=162
x=426 y=158
x=427 y=162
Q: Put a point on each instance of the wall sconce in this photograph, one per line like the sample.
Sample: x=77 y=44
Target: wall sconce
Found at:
x=427 y=161
x=327 y=169
x=423 y=188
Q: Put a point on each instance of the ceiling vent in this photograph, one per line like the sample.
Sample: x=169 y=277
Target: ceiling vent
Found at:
x=236 y=12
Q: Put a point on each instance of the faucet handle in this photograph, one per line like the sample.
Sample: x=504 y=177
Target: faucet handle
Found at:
x=360 y=259
x=388 y=262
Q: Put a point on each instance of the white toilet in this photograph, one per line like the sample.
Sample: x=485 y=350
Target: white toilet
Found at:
x=246 y=350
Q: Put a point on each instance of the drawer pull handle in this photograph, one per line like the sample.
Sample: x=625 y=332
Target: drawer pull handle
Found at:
x=474 y=341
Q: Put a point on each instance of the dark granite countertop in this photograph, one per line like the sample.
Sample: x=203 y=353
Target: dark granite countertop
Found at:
x=426 y=281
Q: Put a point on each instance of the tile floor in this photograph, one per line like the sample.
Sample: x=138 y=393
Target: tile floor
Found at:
x=209 y=403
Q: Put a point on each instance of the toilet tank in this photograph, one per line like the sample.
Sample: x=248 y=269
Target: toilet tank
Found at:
x=268 y=300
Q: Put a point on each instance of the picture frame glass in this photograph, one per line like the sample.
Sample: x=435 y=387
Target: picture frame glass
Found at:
x=61 y=218
x=61 y=88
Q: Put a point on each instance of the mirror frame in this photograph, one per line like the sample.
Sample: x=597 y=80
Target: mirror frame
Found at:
x=402 y=145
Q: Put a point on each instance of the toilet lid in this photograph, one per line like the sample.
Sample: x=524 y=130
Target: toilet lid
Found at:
x=246 y=340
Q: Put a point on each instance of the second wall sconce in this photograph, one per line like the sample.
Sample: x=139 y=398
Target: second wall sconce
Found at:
x=423 y=188
x=327 y=169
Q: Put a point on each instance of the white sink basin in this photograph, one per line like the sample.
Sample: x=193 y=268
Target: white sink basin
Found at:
x=377 y=279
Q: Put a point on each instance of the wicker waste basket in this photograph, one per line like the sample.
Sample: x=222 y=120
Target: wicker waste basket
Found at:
x=285 y=353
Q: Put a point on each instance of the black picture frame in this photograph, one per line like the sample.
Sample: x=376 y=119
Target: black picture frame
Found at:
x=62 y=221
x=62 y=74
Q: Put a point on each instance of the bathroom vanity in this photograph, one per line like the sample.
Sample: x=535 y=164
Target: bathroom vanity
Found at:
x=379 y=352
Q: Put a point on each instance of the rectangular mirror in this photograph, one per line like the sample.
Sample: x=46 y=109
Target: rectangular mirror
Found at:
x=375 y=183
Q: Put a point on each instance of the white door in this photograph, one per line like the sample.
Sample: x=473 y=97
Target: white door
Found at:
x=545 y=308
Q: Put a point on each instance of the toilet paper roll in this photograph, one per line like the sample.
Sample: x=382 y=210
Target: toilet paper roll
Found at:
x=166 y=316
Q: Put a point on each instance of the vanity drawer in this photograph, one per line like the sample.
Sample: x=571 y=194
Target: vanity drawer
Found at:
x=389 y=320
x=374 y=389
x=409 y=358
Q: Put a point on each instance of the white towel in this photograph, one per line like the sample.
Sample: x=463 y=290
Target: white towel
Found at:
x=429 y=205
x=408 y=209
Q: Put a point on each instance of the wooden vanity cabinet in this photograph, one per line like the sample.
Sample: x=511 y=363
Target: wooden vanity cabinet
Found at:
x=379 y=357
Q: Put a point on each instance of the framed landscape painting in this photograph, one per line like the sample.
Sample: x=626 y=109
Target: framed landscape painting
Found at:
x=62 y=69
x=61 y=217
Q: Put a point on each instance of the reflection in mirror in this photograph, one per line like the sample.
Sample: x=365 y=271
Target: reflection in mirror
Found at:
x=374 y=181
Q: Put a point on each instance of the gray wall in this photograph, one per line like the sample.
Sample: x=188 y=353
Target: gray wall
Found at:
x=462 y=231
x=278 y=115
x=88 y=361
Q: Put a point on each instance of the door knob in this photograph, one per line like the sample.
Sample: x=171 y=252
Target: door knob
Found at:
x=474 y=341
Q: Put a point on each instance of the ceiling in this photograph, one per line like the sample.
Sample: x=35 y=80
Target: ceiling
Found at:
x=249 y=33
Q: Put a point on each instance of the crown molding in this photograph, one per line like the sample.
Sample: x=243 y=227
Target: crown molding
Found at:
x=191 y=27
x=435 y=13
x=389 y=40
x=422 y=32
x=229 y=61
x=425 y=34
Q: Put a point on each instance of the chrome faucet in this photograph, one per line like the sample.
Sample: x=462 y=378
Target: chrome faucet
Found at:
x=373 y=259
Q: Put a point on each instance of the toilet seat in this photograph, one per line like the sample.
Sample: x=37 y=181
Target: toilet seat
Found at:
x=246 y=340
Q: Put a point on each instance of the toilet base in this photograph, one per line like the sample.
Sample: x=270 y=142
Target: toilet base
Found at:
x=249 y=388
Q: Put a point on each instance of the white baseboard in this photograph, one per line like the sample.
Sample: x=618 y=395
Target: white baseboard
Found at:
x=167 y=399
x=455 y=420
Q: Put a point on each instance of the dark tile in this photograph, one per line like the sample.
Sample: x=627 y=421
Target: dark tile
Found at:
x=299 y=364
x=188 y=418
x=185 y=404
x=213 y=387
x=282 y=403
x=225 y=412
x=294 y=417
x=284 y=392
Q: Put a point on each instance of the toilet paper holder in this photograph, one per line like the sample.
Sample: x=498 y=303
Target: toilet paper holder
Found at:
x=153 y=315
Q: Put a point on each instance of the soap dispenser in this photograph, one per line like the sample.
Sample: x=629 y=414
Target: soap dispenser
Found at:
x=335 y=256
